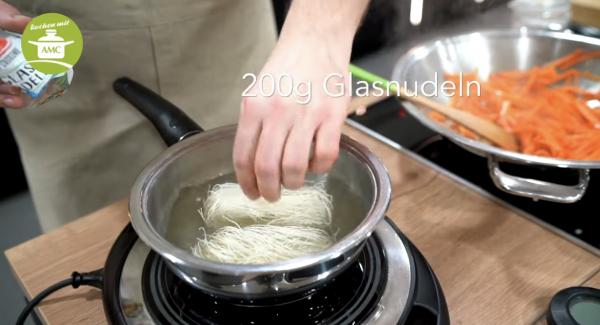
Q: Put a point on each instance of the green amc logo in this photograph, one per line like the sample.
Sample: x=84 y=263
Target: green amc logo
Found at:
x=52 y=43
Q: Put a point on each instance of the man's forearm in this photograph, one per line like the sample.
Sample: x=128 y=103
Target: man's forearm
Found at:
x=275 y=133
x=332 y=21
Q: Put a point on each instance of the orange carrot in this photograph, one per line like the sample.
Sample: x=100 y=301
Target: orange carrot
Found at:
x=436 y=116
x=466 y=132
x=544 y=107
x=586 y=112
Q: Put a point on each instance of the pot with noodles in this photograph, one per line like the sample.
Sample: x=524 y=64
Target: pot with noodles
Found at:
x=542 y=87
x=187 y=206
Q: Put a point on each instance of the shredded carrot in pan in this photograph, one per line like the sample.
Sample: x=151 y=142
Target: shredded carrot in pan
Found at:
x=544 y=107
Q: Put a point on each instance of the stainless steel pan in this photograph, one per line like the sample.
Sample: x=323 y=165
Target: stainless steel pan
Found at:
x=490 y=51
x=358 y=182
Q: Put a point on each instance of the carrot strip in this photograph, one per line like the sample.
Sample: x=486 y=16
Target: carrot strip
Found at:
x=588 y=115
x=436 y=116
x=544 y=107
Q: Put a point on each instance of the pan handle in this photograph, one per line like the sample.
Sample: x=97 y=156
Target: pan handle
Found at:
x=537 y=189
x=172 y=124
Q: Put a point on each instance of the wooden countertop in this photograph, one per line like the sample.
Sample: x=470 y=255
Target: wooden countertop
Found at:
x=586 y=12
x=495 y=266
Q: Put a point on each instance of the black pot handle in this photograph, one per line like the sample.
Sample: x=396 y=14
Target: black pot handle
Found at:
x=172 y=124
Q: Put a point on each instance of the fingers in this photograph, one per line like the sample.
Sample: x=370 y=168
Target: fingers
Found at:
x=267 y=165
x=11 y=19
x=296 y=154
x=11 y=96
x=361 y=110
x=244 y=149
x=327 y=145
x=6 y=89
x=272 y=147
x=11 y=101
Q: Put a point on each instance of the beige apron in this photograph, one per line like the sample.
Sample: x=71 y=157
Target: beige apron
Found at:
x=83 y=151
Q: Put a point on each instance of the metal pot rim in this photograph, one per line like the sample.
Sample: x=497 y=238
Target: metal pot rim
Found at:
x=420 y=51
x=181 y=257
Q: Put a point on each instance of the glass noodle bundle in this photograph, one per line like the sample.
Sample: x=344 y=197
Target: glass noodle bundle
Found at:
x=309 y=205
x=257 y=244
x=243 y=231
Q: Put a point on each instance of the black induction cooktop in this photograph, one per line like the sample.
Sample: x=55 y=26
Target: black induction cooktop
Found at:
x=577 y=221
x=347 y=299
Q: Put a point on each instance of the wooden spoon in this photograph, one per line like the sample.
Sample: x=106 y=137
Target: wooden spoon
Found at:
x=484 y=128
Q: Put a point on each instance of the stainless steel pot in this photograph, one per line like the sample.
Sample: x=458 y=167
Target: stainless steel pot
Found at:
x=358 y=179
x=490 y=51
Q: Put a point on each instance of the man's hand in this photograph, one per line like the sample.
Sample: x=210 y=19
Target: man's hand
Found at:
x=275 y=133
x=11 y=20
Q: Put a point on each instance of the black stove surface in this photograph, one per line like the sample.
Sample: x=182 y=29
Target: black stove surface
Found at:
x=391 y=120
x=347 y=299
